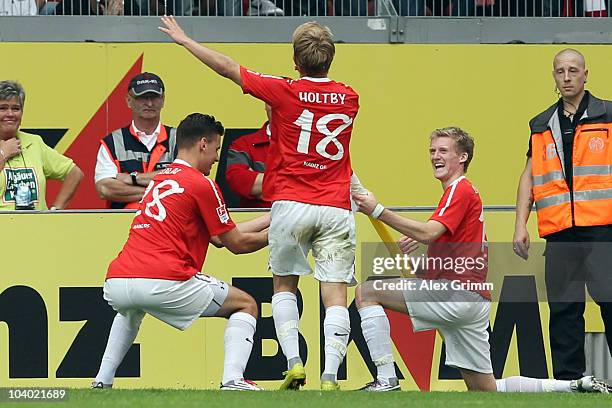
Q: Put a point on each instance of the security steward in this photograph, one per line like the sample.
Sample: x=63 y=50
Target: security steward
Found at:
x=568 y=175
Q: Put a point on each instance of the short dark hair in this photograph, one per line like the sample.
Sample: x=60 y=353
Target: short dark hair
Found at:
x=196 y=126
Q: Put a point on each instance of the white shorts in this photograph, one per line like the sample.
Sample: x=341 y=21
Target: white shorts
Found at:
x=461 y=317
x=178 y=303
x=296 y=228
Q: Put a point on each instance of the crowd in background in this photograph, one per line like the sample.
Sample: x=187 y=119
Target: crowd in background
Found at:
x=450 y=8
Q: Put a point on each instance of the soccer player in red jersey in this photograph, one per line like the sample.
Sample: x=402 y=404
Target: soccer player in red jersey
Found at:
x=451 y=299
x=246 y=165
x=159 y=269
x=307 y=179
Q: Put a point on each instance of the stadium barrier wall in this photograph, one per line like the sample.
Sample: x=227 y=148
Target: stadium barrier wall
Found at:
x=55 y=323
x=406 y=91
x=373 y=30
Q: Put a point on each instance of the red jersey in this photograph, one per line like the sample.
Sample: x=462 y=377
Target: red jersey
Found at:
x=461 y=252
x=312 y=120
x=179 y=212
x=246 y=158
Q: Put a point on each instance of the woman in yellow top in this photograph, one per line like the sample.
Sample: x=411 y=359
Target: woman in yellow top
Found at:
x=26 y=162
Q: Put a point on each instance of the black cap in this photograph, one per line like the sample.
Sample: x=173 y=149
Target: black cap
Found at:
x=146 y=82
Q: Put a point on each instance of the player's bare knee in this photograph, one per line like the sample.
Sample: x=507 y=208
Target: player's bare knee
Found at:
x=476 y=381
x=250 y=306
x=285 y=283
x=245 y=303
x=358 y=298
x=364 y=295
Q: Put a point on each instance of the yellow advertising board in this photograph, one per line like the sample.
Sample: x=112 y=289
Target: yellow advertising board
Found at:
x=55 y=323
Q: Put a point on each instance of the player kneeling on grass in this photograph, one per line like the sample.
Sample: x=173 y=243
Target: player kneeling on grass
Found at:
x=456 y=229
x=158 y=270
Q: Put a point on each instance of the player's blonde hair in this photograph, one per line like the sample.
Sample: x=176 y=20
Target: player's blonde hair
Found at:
x=463 y=141
x=313 y=48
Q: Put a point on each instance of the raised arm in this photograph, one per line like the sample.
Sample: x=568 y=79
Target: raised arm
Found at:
x=220 y=63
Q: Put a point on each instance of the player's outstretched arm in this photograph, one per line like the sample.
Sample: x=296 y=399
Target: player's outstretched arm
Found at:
x=256 y=224
x=220 y=63
x=216 y=241
x=424 y=232
x=239 y=242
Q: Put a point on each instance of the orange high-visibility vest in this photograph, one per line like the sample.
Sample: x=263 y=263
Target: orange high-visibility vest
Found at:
x=130 y=154
x=590 y=202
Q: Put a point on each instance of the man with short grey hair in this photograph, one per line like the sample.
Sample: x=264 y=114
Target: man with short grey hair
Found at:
x=129 y=157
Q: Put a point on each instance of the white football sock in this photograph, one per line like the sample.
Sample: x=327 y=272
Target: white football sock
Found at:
x=336 y=327
x=238 y=345
x=286 y=321
x=527 y=384
x=377 y=333
x=121 y=337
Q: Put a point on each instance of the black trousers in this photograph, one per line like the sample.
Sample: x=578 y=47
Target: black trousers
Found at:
x=569 y=267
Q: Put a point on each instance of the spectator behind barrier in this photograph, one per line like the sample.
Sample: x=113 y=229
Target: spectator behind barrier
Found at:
x=26 y=162
x=20 y=7
x=246 y=163
x=159 y=7
x=106 y=7
x=130 y=157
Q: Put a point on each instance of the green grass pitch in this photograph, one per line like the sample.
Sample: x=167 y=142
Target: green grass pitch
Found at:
x=315 y=399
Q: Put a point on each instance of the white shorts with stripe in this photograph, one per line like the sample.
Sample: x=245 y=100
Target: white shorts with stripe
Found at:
x=296 y=228
x=461 y=317
x=178 y=303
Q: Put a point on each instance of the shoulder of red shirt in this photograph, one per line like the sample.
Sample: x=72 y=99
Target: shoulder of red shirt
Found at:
x=461 y=188
x=348 y=88
x=247 y=141
x=193 y=173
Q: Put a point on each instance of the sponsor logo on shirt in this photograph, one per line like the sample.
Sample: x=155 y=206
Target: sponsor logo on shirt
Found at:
x=315 y=165
x=15 y=177
x=222 y=214
x=141 y=226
